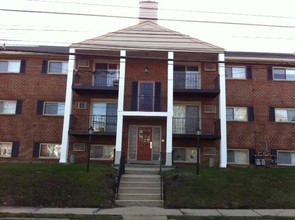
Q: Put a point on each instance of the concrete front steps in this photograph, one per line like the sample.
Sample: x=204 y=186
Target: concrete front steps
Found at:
x=140 y=186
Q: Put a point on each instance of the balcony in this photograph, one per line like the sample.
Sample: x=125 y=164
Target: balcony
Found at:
x=101 y=81
x=189 y=84
x=102 y=124
x=187 y=127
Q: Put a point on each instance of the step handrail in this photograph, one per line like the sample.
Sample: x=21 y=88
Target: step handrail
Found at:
x=161 y=175
x=121 y=171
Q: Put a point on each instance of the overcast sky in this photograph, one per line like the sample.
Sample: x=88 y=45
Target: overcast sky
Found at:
x=235 y=25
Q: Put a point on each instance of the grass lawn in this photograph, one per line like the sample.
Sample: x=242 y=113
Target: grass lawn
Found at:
x=230 y=188
x=55 y=185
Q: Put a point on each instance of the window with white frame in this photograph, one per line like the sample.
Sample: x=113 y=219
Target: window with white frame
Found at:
x=102 y=152
x=187 y=77
x=5 y=149
x=106 y=74
x=10 y=66
x=235 y=72
x=186 y=119
x=57 y=67
x=185 y=154
x=54 y=108
x=236 y=113
x=238 y=156
x=284 y=115
x=286 y=158
x=104 y=116
x=283 y=73
x=209 y=151
x=7 y=107
x=49 y=150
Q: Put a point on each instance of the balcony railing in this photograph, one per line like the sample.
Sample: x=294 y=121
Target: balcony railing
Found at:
x=187 y=80
x=99 y=80
x=189 y=125
x=100 y=123
x=190 y=82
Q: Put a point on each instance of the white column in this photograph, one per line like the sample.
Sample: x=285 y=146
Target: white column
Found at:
x=68 y=108
x=169 y=110
x=222 y=112
x=119 y=134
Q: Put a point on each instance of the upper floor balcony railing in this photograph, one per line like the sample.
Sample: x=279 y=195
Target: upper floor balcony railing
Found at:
x=98 y=80
x=210 y=127
x=100 y=123
x=190 y=82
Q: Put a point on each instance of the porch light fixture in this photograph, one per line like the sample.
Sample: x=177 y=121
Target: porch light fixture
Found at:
x=146 y=69
x=199 y=132
x=90 y=132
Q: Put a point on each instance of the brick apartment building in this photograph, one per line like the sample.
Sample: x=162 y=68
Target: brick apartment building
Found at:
x=146 y=90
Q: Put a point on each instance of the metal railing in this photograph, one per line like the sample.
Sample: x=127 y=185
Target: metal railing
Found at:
x=100 y=123
x=161 y=175
x=121 y=171
x=189 y=125
x=192 y=80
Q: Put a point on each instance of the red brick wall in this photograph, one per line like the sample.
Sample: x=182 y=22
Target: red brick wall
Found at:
x=31 y=86
x=261 y=93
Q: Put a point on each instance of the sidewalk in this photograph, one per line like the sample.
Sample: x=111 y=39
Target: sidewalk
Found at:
x=151 y=211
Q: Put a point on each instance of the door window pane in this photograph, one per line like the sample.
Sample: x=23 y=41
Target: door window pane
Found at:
x=146 y=96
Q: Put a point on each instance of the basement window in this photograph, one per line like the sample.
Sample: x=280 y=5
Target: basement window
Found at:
x=185 y=154
x=286 y=158
x=102 y=152
x=238 y=156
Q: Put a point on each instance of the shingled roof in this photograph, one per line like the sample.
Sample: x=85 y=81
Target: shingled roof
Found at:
x=147 y=35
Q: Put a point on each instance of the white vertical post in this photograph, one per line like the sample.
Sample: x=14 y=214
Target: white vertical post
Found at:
x=119 y=134
x=169 y=110
x=68 y=108
x=222 y=112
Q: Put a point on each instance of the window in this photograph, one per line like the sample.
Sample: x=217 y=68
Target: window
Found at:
x=283 y=73
x=78 y=147
x=146 y=96
x=10 y=66
x=238 y=72
x=186 y=119
x=187 y=77
x=237 y=114
x=238 y=156
x=182 y=154
x=57 y=67
x=5 y=149
x=8 y=107
x=284 y=115
x=102 y=152
x=106 y=74
x=104 y=116
x=286 y=157
x=54 y=108
x=47 y=150
x=209 y=151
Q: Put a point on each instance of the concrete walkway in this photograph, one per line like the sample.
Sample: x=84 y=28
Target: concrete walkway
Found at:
x=151 y=211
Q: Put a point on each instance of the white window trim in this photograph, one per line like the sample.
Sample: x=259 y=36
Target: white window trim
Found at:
x=103 y=145
x=15 y=101
x=284 y=164
x=234 y=107
x=191 y=148
x=58 y=61
x=8 y=64
x=285 y=68
x=287 y=118
x=44 y=104
x=209 y=153
x=82 y=144
x=44 y=157
x=11 y=145
x=245 y=150
x=234 y=78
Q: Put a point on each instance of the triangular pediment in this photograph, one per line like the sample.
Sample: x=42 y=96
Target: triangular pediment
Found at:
x=146 y=35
